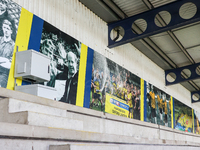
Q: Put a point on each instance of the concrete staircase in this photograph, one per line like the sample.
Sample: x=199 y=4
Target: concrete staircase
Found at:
x=28 y=122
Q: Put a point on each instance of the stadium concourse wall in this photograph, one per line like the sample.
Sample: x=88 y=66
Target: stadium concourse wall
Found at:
x=67 y=25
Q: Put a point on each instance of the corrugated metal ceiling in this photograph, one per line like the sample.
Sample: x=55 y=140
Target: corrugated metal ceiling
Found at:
x=131 y=7
x=175 y=48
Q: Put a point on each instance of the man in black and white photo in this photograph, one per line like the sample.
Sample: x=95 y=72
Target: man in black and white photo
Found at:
x=72 y=79
x=64 y=53
x=3 y=10
x=6 y=50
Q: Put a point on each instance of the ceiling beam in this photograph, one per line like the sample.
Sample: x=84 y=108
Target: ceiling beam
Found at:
x=192 y=74
x=115 y=8
x=152 y=28
x=178 y=43
x=147 y=41
x=195 y=96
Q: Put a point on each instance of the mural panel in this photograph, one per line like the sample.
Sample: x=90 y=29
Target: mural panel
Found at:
x=183 y=117
x=64 y=52
x=9 y=19
x=114 y=89
x=84 y=77
x=196 y=122
x=158 y=108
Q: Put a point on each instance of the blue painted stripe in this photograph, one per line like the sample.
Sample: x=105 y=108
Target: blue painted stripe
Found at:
x=25 y=83
x=35 y=37
x=173 y=112
x=145 y=101
x=36 y=33
x=88 y=78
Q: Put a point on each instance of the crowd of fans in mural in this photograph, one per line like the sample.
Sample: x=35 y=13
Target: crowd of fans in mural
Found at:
x=117 y=85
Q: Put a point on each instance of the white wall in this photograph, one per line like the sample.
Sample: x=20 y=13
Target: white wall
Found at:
x=75 y=19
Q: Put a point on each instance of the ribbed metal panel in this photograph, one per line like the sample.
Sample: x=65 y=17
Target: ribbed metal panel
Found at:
x=157 y=3
x=189 y=37
x=131 y=7
x=71 y=17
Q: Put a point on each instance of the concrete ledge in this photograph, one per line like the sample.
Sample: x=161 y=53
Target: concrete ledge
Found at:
x=59 y=147
x=118 y=147
x=43 y=133
x=20 y=144
x=84 y=147
x=50 y=121
x=90 y=120
x=128 y=120
x=177 y=135
x=20 y=105
x=19 y=117
x=6 y=93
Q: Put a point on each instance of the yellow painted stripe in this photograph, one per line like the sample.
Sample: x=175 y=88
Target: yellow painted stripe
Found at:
x=193 y=119
x=81 y=76
x=142 y=100
x=172 y=113
x=22 y=40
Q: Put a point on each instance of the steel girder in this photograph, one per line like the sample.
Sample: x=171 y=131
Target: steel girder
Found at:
x=152 y=29
x=197 y=95
x=193 y=73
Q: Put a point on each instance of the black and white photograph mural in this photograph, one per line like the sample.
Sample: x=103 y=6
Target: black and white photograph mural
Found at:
x=9 y=19
x=64 y=53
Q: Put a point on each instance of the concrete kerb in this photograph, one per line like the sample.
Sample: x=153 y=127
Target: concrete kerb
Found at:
x=43 y=133
x=84 y=111
x=48 y=102
x=69 y=108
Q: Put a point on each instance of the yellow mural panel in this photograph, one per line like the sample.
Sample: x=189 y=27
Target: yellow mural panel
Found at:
x=21 y=43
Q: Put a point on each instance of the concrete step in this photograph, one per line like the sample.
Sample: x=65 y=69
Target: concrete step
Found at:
x=119 y=147
x=22 y=112
x=24 y=137
x=44 y=120
x=20 y=105
x=90 y=122
x=84 y=147
x=6 y=93
x=19 y=144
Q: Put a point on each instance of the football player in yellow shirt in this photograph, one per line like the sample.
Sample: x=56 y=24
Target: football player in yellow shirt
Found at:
x=197 y=126
x=196 y=123
x=129 y=101
x=119 y=88
x=114 y=86
x=151 y=97
x=170 y=106
x=180 y=123
x=160 y=105
x=124 y=91
x=188 y=123
x=97 y=93
x=166 y=111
